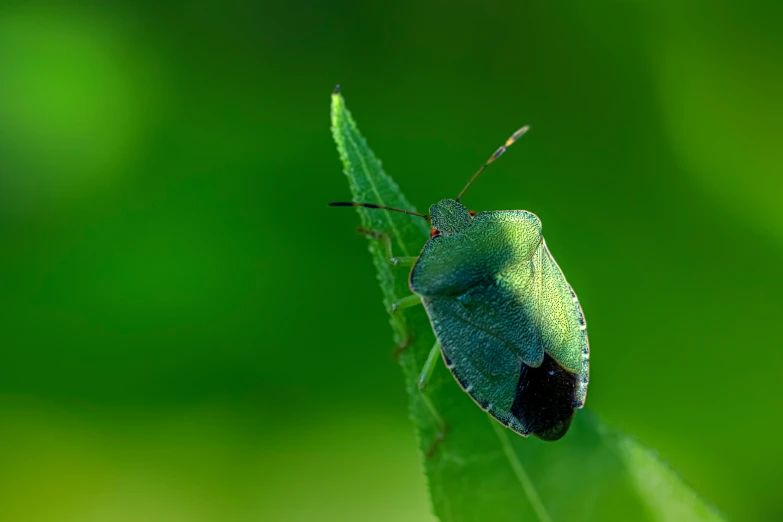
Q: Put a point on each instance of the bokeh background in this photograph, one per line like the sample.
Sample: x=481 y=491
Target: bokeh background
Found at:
x=188 y=333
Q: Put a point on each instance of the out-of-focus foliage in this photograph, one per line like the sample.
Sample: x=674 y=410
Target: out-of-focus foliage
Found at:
x=187 y=332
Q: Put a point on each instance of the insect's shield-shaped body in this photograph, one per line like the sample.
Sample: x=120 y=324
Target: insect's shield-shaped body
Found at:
x=510 y=327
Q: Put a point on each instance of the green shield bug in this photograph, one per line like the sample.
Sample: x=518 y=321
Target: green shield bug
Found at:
x=508 y=325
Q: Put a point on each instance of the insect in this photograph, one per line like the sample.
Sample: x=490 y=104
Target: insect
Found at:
x=508 y=325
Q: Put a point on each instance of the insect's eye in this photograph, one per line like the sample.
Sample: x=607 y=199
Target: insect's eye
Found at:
x=434 y=232
x=472 y=213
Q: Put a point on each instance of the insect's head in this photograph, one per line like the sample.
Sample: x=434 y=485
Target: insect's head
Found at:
x=449 y=216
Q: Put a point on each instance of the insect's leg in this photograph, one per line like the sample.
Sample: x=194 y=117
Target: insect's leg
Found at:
x=406 y=302
x=429 y=365
x=384 y=238
x=424 y=377
x=404 y=260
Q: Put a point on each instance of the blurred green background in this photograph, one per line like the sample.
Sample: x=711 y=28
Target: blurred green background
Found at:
x=189 y=333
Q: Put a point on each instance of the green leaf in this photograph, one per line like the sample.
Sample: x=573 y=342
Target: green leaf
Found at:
x=482 y=471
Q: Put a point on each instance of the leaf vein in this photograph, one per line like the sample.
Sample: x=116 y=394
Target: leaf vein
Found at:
x=521 y=474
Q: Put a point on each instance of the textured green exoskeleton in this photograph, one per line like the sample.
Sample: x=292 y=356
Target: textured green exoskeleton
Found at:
x=509 y=327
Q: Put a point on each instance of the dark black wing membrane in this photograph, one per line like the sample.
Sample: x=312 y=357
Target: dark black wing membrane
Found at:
x=544 y=401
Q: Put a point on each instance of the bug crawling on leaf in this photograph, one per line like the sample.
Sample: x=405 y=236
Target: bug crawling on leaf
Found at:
x=508 y=325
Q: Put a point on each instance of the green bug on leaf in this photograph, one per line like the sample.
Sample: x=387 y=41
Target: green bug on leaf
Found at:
x=508 y=325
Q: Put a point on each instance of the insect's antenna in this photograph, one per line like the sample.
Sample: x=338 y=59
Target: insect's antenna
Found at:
x=373 y=205
x=514 y=137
